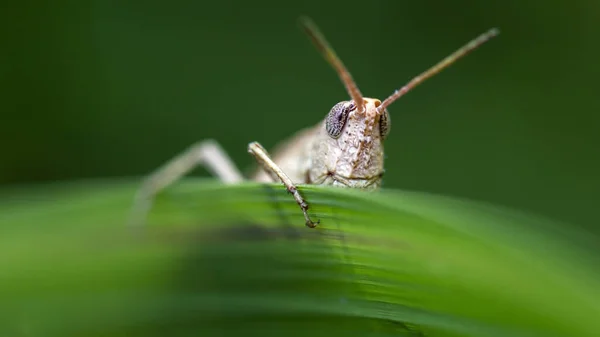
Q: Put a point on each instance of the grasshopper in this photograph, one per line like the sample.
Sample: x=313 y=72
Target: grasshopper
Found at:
x=345 y=149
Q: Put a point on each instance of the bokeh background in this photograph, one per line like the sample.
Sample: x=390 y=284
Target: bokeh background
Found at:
x=115 y=88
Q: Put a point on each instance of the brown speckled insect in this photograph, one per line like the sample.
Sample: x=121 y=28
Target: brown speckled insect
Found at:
x=345 y=149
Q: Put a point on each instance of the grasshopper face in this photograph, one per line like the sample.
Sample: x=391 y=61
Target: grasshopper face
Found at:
x=348 y=148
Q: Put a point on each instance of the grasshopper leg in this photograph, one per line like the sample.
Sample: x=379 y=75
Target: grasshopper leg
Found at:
x=263 y=158
x=207 y=153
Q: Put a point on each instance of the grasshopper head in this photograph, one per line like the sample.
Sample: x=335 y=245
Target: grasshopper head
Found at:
x=349 y=151
x=349 y=148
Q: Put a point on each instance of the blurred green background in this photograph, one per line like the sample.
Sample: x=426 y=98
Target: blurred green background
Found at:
x=115 y=88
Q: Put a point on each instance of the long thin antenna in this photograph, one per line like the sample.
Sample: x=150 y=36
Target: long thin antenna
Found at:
x=472 y=45
x=324 y=48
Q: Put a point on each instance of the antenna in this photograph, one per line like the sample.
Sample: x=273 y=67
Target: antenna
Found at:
x=325 y=49
x=463 y=51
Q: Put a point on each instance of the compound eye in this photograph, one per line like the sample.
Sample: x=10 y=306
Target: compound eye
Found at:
x=337 y=118
x=384 y=124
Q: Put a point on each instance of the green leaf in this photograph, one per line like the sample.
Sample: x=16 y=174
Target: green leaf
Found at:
x=218 y=260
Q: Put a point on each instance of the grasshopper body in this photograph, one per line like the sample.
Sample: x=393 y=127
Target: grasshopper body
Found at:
x=345 y=149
